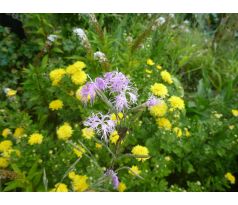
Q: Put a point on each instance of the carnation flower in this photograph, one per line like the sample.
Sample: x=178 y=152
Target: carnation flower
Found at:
x=152 y=101
x=102 y=124
x=88 y=92
x=114 y=177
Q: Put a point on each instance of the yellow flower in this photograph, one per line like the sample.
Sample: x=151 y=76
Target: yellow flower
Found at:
x=134 y=170
x=80 y=65
x=56 y=75
x=88 y=133
x=120 y=115
x=150 y=62
x=159 y=110
x=64 y=132
x=148 y=71
x=35 y=138
x=159 y=90
x=235 y=112
x=159 y=67
x=79 y=182
x=98 y=145
x=121 y=187
x=114 y=137
x=5 y=145
x=79 y=151
x=164 y=123
x=140 y=150
x=8 y=153
x=71 y=175
x=178 y=131
x=56 y=105
x=113 y=117
x=231 y=127
x=79 y=78
x=231 y=178
x=4 y=162
x=60 y=187
x=165 y=75
x=11 y=92
x=6 y=132
x=19 y=132
x=176 y=102
x=167 y=158
x=187 y=133
x=78 y=93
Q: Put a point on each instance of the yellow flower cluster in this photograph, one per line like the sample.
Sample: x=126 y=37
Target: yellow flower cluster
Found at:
x=6 y=132
x=140 y=150
x=88 y=133
x=159 y=90
x=134 y=170
x=230 y=177
x=159 y=110
x=5 y=145
x=79 y=151
x=235 y=112
x=164 y=123
x=166 y=77
x=18 y=133
x=121 y=187
x=78 y=76
x=176 y=102
x=4 y=162
x=117 y=117
x=98 y=145
x=60 y=187
x=11 y=92
x=150 y=62
x=114 y=137
x=79 y=182
x=64 y=132
x=56 y=105
x=56 y=76
x=35 y=138
x=178 y=131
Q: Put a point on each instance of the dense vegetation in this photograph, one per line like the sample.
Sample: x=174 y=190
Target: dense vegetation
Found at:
x=127 y=102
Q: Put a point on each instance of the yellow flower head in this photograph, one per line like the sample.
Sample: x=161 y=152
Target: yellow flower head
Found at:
x=56 y=75
x=178 y=131
x=6 y=132
x=150 y=62
x=79 y=151
x=164 y=123
x=114 y=137
x=4 y=162
x=35 y=138
x=148 y=71
x=121 y=187
x=165 y=75
x=159 y=67
x=64 y=132
x=235 y=112
x=5 y=145
x=187 y=133
x=11 y=92
x=88 y=133
x=98 y=145
x=159 y=89
x=134 y=170
x=140 y=150
x=176 y=102
x=80 y=65
x=19 y=132
x=60 y=187
x=231 y=178
x=159 y=110
x=79 y=182
x=56 y=105
x=79 y=78
x=78 y=93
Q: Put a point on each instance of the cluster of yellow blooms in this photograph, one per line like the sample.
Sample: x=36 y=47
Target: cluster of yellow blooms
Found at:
x=75 y=71
x=35 y=138
x=56 y=105
x=64 y=132
x=174 y=102
x=230 y=177
x=79 y=182
x=88 y=133
x=79 y=151
x=5 y=148
x=139 y=150
x=10 y=92
x=235 y=112
x=134 y=170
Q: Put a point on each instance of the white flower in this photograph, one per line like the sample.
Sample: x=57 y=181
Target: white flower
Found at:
x=52 y=37
x=160 y=21
x=83 y=37
x=100 y=56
